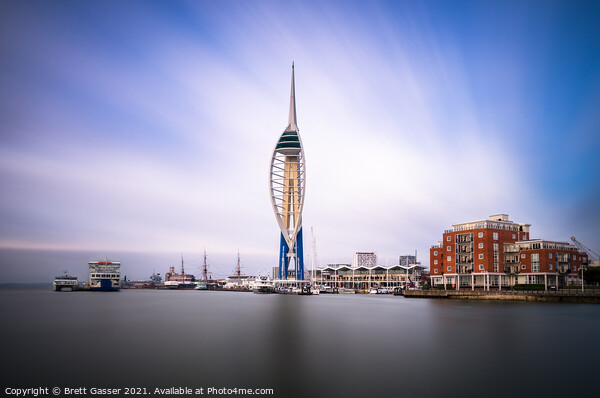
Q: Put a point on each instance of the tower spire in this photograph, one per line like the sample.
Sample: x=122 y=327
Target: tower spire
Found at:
x=292 y=117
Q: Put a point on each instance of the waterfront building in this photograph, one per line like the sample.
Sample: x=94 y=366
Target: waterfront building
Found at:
x=364 y=259
x=497 y=253
x=363 y=277
x=286 y=187
x=547 y=262
x=176 y=278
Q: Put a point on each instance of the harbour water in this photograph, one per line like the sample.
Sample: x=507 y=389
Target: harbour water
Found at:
x=305 y=346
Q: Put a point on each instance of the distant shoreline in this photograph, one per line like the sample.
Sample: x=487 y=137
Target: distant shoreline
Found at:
x=25 y=285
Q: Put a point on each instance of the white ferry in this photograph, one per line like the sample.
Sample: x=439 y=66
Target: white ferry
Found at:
x=105 y=275
x=65 y=283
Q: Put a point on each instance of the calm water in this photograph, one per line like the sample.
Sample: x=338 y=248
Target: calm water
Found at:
x=329 y=345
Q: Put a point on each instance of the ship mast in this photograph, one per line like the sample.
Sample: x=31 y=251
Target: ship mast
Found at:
x=314 y=254
x=238 y=269
x=205 y=268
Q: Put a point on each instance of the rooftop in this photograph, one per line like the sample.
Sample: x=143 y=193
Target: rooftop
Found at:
x=498 y=221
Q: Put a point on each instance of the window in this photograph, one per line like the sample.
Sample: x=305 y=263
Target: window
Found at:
x=435 y=262
x=522 y=266
x=495 y=235
x=481 y=256
x=574 y=268
x=449 y=268
x=550 y=267
x=448 y=258
x=535 y=262
x=514 y=237
x=522 y=255
x=448 y=238
x=481 y=267
x=435 y=253
x=495 y=254
x=481 y=245
x=480 y=235
x=435 y=271
x=549 y=255
x=448 y=248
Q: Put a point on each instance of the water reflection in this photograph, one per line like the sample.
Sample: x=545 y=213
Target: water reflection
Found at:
x=335 y=345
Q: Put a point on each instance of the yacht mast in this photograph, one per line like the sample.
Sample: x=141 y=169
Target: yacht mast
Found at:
x=313 y=242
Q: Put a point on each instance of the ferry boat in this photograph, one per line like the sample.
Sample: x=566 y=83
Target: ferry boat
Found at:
x=263 y=284
x=65 y=283
x=105 y=275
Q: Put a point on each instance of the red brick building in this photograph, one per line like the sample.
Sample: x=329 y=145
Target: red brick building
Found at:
x=497 y=253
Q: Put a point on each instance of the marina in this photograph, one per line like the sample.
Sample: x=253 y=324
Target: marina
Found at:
x=105 y=276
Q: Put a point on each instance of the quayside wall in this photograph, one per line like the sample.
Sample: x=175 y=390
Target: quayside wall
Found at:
x=570 y=297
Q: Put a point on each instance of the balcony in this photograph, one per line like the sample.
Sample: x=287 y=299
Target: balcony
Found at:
x=464 y=238
x=463 y=259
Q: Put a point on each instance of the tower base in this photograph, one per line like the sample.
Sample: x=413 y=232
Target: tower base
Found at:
x=284 y=259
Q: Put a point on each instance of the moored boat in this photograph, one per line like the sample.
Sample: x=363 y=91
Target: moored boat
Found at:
x=105 y=275
x=263 y=284
x=65 y=283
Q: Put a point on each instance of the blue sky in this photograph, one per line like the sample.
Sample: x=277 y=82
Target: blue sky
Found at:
x=142 y=130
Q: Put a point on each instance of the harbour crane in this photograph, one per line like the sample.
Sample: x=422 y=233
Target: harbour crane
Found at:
x=592 y=255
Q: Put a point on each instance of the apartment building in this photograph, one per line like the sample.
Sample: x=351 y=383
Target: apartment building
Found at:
x=497 y=253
